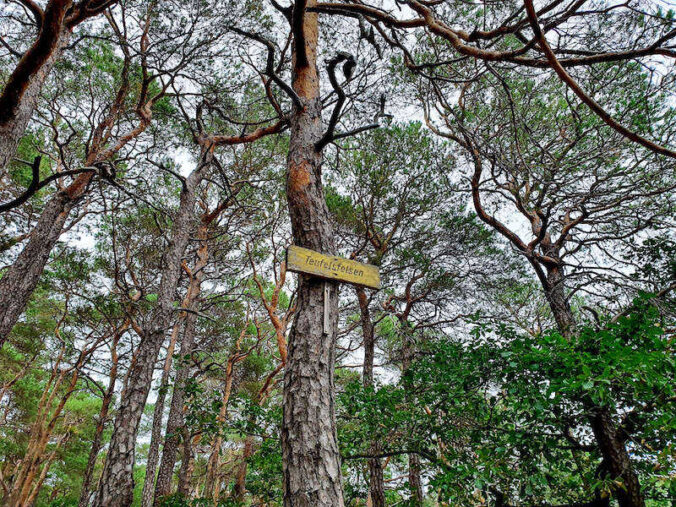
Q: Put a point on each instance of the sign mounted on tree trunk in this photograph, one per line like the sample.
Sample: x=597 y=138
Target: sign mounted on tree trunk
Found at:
x=302 y=260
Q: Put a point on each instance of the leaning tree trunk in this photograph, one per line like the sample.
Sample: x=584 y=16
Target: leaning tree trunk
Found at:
x=22 y=90
x=311 y=459
x=610 y=444
x=19 y=282
x=376 y=483
x=117 y=481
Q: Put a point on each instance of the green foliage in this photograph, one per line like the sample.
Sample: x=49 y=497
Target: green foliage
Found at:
x=510 y=412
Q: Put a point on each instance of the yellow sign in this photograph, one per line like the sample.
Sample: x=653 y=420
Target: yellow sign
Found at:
x=302 y=260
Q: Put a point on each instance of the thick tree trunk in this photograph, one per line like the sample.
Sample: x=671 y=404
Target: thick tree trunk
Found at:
x=558 y=302
x=612 y=448
x=19 y=282
x=21 y=93
x=311 y=459
x=617 y=459
x=376 y=483
x=117 y=481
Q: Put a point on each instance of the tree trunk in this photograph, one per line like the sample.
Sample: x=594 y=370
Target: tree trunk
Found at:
x=376 y=483
x=117 y=481
x=408 y=354
x=240 y=482
x=612 y=448
x=103 y=415
x=19 y=282
x=188 y=302
x=21 y=93
x=176 y=420
x=311 y=459
x=617 y=459
x=212 y=483
x=556 y=297
x=156 y=433
x=187 y=464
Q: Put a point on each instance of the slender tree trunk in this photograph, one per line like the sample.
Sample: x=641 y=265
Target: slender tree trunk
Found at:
x=176 y=420
x=376 y=483
x=211 y=487
x=611 y=446
x=311 y=459
x=21 y=93
x=240 y=482
x=158 y=412
x=117 y=482
x=103 y=416
x=408 y=354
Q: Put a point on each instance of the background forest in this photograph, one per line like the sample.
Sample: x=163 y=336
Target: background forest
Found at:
x=508 y=165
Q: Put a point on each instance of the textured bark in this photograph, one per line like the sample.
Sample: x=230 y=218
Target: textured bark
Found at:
x=19 y=282
x=187 y=464
x=558 y=302
x=188 y=302
x=117 y=481
x=156 y=433
x=376 y=483
x=617 y=460
x=175 y=423
x=103 y=416
x=311 y=460
x=21 y=93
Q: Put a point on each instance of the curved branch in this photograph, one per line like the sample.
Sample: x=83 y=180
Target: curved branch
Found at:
x=37 y=185
x=575 y=87
x=270 y=64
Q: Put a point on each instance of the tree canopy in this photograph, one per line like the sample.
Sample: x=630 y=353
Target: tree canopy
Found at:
x=507 y=166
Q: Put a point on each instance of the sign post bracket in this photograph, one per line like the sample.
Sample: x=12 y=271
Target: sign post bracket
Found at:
x=327 y=317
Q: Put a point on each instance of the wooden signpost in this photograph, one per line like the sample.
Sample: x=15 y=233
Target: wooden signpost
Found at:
x=302 y=260
x=329 y=267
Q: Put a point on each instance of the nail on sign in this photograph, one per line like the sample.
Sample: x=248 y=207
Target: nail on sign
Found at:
x=302 y=260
